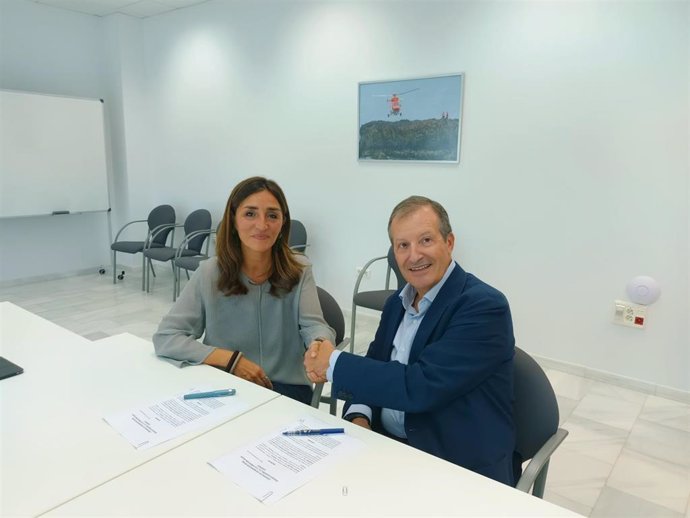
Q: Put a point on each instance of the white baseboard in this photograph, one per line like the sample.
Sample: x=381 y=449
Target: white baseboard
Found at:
x=614 y=379
x=63 y=275
x=48 y=277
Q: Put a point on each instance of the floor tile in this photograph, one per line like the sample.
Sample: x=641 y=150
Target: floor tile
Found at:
x=571 y=505
x=610 y=410
x=565 y=408
x=660 y=441
x=657 y=481
x=568 y=385
x=616 y=392
x=616 y=504
x=576 y=477
x=593 y=439
x=96 y=336
x=667 y=412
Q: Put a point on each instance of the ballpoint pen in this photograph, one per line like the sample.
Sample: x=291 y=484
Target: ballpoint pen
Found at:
x=213 y=393
x=316 y=431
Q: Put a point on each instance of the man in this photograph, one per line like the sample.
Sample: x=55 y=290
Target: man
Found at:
x=439 y=373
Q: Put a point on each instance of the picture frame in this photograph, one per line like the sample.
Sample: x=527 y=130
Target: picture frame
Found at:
x=411 y=120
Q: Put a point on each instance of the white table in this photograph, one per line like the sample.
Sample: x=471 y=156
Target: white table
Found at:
x=54 y=443
x=385 y=478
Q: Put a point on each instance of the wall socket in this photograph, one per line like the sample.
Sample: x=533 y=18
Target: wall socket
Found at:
x=629 y=314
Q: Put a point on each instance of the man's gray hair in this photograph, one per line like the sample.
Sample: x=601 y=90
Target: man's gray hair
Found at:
x=413 y=203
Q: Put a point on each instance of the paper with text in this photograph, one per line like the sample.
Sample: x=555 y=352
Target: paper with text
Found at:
x=157 y=422
x=276 y=465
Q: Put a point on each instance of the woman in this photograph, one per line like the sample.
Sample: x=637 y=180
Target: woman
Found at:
x=255 y=303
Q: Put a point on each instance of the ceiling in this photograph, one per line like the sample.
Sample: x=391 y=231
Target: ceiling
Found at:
x=136 y=8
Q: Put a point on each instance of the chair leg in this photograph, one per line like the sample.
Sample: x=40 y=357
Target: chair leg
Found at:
x=316 y=395
x=352 y=328
x=179 y=287
x=143 y=272
x=114 y=266
x=540 y=481
x=176 y=280
x=333 y=404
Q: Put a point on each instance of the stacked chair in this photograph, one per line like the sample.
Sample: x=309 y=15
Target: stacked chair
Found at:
x=189 y=263
x=198 y=220
x=159 y=228
x=375 y=299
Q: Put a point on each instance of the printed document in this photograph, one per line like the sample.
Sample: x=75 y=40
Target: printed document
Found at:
x=160 y=421
x=276 y=465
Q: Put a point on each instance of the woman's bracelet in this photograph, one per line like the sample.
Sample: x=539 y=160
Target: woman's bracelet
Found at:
x=234 y=359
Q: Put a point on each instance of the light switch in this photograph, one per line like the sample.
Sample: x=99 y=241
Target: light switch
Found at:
x=629 y=314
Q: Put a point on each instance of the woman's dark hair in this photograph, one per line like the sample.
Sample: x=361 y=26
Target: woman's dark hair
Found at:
x=286 y=268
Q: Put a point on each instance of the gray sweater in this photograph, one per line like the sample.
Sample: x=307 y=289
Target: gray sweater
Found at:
x=270 y=331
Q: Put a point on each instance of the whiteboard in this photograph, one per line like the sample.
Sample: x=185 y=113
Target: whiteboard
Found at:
x=52 y=155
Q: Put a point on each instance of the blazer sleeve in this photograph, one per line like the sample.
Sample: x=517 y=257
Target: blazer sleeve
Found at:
x=468 y=343
x=376 y=351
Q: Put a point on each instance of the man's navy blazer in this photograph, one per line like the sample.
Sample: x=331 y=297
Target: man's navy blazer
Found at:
x=457 y=388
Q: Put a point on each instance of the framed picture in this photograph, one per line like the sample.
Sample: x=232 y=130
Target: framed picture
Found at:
x=411 y=119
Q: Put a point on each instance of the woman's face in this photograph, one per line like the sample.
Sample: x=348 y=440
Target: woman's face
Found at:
x=258 y=221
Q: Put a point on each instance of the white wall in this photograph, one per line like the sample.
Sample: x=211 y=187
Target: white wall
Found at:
x=56 y=52
x=574 y=168
x=574 y=163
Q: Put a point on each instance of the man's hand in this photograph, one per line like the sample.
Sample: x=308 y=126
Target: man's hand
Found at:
x=250 y=371
x=362 y=421
x=316 y=360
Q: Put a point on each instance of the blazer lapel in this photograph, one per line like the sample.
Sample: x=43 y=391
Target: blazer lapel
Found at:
x=391 y=329
x=388 y=327
x=450 y=291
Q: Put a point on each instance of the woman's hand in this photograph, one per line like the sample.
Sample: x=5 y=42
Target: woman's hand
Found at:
x=250 y=371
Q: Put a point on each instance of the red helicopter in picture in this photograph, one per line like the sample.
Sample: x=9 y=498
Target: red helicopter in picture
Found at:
x=395 y=103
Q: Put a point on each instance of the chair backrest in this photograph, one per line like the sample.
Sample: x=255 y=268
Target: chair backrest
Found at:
x=535 y=407
x=298 y=236
x=161 y=215
x=393 y=265
x=332 y=314
x=200 y=219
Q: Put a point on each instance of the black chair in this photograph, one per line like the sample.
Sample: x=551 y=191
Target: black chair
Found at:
x=375 y=299
x=298 y=236
x=189 y=263
x=536 y=422
x=160 y=217
x=198 y=220
x=333 y=316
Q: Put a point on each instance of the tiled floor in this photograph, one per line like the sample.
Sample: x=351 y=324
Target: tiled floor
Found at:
x=628 y=453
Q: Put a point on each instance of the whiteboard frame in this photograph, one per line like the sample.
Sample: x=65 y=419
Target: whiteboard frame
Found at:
x=95 y=193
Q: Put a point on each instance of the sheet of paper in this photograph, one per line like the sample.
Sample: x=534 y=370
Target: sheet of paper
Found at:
x=276 y=465
x=160 y=421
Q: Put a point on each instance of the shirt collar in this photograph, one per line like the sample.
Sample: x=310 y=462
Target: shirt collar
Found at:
x=407 y=294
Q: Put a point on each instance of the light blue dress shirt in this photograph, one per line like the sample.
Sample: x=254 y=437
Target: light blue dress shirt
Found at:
x=394 y=420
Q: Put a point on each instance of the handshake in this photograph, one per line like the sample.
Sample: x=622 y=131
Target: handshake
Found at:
x=316 y=360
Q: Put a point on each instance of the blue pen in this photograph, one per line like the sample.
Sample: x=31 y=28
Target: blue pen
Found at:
x=213 y=393
x=316 y=431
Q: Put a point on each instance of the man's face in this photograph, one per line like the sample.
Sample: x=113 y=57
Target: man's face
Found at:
x=422 y=254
